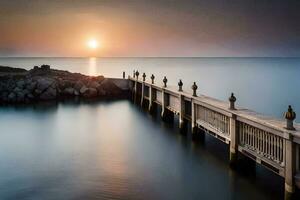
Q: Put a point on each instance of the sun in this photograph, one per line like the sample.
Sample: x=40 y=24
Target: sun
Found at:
x=92 y=44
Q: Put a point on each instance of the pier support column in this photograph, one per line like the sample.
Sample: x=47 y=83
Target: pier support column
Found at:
x=233 y=140
x=143 y=91
x=196 y=132
x=193 y=121
x=182 y=121
x=150 y=99
x=152 y=105
x=290 y=168
x=135 y=91
x=166 y=114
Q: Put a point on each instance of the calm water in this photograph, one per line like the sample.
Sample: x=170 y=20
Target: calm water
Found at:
x=266 y=85
x=114 y=150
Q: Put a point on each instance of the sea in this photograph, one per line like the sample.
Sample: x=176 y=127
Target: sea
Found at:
x=115 y=150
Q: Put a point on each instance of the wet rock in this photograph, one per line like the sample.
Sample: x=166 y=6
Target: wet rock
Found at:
x=69 y=91
x=30 y=96
x=49 y=94
x=76 y=93
x=90 y=93
x=93 y=84
x=21 y=84
x=4 y=97
x=110 y=88
x=78 y=85
x=45 y=67
x=12 y=97
x=31 y=86
x=20 y=96
x=61 y=84
x=101 y=91
x=17 y=89
x=44 y=83
x=37 y=91
x=83 y=90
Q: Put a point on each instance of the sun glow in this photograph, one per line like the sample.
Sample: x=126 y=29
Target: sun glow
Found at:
x=92 y=44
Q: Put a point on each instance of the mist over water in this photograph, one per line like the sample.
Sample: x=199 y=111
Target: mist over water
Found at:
x=115 y=150
x=266 y=85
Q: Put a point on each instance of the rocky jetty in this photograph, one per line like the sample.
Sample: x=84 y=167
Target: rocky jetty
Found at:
x=44 y=84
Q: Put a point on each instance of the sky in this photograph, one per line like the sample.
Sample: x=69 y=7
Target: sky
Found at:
x=150 y=28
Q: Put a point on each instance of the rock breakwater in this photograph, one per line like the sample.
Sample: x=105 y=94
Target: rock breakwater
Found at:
x=44 y=84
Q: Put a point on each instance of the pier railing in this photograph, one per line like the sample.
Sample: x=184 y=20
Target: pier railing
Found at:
x=273 y=143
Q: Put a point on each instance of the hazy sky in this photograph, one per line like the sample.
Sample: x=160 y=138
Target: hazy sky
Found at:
x=150 y=27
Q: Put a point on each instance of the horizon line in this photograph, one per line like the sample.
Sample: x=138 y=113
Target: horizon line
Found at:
x=149 y=56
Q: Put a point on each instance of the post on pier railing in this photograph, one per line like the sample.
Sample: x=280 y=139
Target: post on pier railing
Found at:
x=152 y=79
x=123 y=75
x=290 y=115
x=290 y=155
x=165 y=80
x=232 y=100
x=194 y=88
x=180 y=84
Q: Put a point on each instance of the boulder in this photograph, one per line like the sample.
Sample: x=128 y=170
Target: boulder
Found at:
x=17 y=89
x=90 y=93
x=21 y=84
x=78 y=85
x=83 y=90
x=93 y=84
x=101 y=91
x=12 y=97
x=49 y=94
x=69 y=91
x=20 y=96
x=61 y=84
x=2 y=87
x=4 y=96
x=29 y=96
x=76 y=93
x=10 y=84
x=45 y=67
x=37 y=91
x=44 y=83
x=31 y=86
x=110 y=88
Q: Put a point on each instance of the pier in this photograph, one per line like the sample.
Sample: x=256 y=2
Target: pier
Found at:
x=273 y=143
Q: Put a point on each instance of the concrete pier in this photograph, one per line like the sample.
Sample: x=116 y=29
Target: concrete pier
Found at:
x=273 y=143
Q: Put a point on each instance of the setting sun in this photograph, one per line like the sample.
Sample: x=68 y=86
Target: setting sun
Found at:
x=92 y=44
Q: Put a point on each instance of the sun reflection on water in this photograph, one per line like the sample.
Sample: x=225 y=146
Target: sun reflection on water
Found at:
x=92 y=69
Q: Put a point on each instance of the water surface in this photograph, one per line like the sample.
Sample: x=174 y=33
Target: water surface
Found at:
x=114 y=150
x=267 y=85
